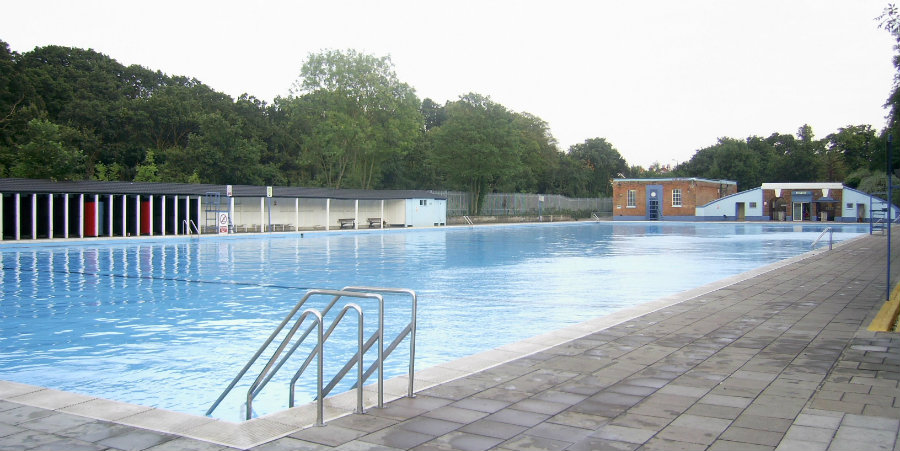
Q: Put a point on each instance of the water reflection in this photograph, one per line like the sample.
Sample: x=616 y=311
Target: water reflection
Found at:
x=124 y=321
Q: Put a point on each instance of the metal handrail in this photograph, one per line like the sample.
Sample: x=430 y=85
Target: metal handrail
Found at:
x=830 y=233
x=320 y=393
x=378 y=335
x=320 y=365
x=266 y=375
x=259 y=352
x=274 y=364
x=186 y=227
x=468 y=220
x=410 y=330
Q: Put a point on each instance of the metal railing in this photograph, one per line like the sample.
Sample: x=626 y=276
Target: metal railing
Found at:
x=409 y=329
x=274 y=364
x=186 y=227
x=461 y=203
x=320 y=392
x=830 y=233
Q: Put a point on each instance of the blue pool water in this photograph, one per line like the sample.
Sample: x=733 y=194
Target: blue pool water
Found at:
x=168 y=322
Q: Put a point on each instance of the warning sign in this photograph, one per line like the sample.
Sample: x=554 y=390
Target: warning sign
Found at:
x=223 y=222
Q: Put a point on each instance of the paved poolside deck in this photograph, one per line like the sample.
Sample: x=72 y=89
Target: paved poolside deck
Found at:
x=779 y=358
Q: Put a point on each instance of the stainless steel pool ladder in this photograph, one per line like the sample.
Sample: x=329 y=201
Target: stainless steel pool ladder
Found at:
x=830 y=233
x=186 y=227
x=271 y=367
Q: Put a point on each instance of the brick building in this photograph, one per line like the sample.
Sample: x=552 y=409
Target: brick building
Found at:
x=797 y=202
x=666 y=199
x=809 y=202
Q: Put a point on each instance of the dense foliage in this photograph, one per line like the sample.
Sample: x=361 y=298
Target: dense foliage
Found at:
x=349 y=122
x=851 y=153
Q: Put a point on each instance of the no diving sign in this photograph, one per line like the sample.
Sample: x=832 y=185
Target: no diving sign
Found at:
x=223 y=222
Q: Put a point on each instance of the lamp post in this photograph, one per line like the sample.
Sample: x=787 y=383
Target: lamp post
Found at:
x=890 y=208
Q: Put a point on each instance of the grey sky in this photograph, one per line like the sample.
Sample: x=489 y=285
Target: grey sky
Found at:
x=658 y=79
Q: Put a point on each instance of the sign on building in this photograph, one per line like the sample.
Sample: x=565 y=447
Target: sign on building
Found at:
x=223 y=222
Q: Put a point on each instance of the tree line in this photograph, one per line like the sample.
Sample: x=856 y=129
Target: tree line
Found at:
x=349 y=122
x=854 y=155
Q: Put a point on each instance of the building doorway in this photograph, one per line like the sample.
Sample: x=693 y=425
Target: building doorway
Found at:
x=827 y=211
x=779 y=208
x=801 y=211
x=654 y=202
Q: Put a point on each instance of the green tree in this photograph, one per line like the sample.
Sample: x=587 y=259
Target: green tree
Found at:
x=569 y=177
x=475 y=147
x=889 y=20
x=336 y=140
x=796 y=158
x=368 y=116
x=872 y=182
x=48 y=154
x=15 y=96
x=538 y=154
x=600 y=162
x=855 y=143
x=831 y=166
x=433 y=114
x=81 y=90
x=218 y=153
x=290 y=119
x=107 y=173
x=147 y=171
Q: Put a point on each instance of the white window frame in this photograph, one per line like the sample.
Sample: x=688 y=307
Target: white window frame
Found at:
x=676 y=197
x=631 y=201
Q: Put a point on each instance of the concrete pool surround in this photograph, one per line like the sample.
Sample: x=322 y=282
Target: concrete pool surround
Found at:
x=270 y=427
x=510 y=263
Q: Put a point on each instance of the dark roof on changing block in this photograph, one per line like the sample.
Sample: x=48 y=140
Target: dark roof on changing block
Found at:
x=11 y=185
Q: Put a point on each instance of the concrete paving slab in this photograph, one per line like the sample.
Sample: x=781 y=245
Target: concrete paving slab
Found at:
x=776 y=359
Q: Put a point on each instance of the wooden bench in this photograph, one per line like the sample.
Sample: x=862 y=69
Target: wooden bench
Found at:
x=347 y=222
x=373 y=222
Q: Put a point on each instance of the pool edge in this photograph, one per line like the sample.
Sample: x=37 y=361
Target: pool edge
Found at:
x=273 y=426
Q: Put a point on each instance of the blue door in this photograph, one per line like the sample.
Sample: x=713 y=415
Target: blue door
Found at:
x=654 y=202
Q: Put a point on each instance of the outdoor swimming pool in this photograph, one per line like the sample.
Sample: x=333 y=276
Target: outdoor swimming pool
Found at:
x=168 y=322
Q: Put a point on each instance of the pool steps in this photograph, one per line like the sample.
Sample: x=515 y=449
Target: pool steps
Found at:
x=279 y=356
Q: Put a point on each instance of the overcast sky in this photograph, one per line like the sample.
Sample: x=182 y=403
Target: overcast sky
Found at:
x=659 y=79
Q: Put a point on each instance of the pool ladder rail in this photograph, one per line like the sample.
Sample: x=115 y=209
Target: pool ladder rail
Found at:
x=830 y=232
x=189 y=227
x=273 y=365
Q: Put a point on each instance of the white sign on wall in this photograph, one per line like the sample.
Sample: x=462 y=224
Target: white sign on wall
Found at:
x=223 y=222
